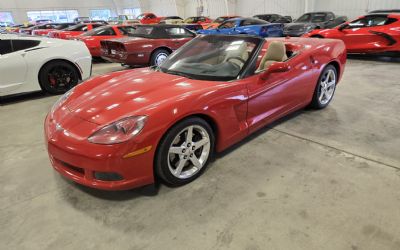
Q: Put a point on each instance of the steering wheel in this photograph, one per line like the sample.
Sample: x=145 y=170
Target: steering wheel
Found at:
x=237 y=58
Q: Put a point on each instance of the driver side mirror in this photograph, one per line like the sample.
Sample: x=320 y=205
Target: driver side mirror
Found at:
x=277 y=67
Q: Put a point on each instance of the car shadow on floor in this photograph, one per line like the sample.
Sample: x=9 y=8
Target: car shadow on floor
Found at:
x=374 y=58
x=12 y=99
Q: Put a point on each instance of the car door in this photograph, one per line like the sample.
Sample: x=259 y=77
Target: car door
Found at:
x=279 y=93
x=13 y=67
x=367 y=34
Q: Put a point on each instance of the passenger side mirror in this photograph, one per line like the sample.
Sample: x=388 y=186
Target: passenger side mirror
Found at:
x=276 y=67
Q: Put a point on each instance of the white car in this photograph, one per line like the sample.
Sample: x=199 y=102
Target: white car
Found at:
x=37 y=63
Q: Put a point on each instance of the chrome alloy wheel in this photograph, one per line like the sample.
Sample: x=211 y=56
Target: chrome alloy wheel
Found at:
x=189 y=152
x=161 y=58
x=327 y=86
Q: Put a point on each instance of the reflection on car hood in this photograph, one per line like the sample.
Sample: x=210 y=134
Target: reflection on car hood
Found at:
x=137 y=91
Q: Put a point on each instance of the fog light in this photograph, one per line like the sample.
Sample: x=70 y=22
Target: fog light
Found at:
x=107 y=176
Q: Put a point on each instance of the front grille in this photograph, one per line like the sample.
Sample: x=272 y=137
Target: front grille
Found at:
x=76 y=170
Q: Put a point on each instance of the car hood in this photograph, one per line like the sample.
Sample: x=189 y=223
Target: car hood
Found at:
x=110 y=97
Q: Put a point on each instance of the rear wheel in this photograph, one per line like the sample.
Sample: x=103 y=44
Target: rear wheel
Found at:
x=184 y=152
x=159 y=57
x=325 y=88
x=58 y=77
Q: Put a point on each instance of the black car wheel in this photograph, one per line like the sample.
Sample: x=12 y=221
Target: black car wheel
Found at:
x=58 y=77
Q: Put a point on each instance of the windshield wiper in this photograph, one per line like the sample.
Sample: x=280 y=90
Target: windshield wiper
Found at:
x=177 y=73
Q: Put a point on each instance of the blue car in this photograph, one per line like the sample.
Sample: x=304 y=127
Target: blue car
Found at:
x=251 y=26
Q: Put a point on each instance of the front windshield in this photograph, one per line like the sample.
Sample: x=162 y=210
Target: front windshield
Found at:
x=141 y=16
x=214 y=58
x=312 y=18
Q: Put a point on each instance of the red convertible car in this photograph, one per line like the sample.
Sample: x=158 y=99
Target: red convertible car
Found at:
x=93 y=37
x=73 y=31
x=373 y=33
x=124 y=129
x=146 y=45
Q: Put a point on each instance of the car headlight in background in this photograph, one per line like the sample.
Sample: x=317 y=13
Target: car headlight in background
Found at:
x=119 y=131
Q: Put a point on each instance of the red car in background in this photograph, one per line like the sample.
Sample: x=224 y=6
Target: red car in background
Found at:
x=128 y=128
x=149 y=18
x=73 y=31
x=93 y=37
x=373 y=33
x=147 y=45
x=44 y=30
x=202 y=20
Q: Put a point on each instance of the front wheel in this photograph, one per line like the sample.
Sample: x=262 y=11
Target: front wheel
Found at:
x=184 y=152
x=159 y=57
x=58 y=77
x=325 y=88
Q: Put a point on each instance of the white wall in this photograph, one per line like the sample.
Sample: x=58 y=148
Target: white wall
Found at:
x=211 y=8
x=292 y=8
x=355 y=8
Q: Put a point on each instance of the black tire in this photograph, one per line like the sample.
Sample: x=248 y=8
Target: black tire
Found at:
x=316 y=102
x=162 y=165
x=58 y=77
x=156 y=54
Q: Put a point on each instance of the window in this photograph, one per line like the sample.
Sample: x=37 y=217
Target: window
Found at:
x=5 y=47
x=6 y=17
x=133 y=12
x=253 y=22
x=178 y=32
x=24 y=44
x=9 y=46
x=102 y=14
x=101 y=31
x=369 y=21
x=125 y=30
x=59 y=16
x=227 y=25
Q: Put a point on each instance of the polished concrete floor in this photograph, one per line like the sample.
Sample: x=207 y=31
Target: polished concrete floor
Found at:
x=325 y=179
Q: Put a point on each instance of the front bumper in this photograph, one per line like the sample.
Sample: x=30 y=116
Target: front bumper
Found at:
x=83 y=162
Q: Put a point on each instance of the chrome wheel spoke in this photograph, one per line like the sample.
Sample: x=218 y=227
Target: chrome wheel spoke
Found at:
x=176 y=150
x=201 y=143
x=189 y=136
x=196 y=161
x=180 y=166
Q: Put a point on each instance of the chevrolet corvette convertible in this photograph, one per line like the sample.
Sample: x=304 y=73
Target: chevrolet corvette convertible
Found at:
x=251 y=26
x=146 y=45
x=373 y=33
x=125 y=129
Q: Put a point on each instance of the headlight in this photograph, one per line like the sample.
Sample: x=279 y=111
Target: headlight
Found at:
x=119 y=131
x=61 y=100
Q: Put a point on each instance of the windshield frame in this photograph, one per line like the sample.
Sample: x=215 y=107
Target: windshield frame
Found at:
x=245 y=71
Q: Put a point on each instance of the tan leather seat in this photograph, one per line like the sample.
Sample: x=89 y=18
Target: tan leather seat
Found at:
x=276 y=52
x=238 y=51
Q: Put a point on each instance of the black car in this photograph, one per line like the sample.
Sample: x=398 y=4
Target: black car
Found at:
x=313 y=20
x=274 y=18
